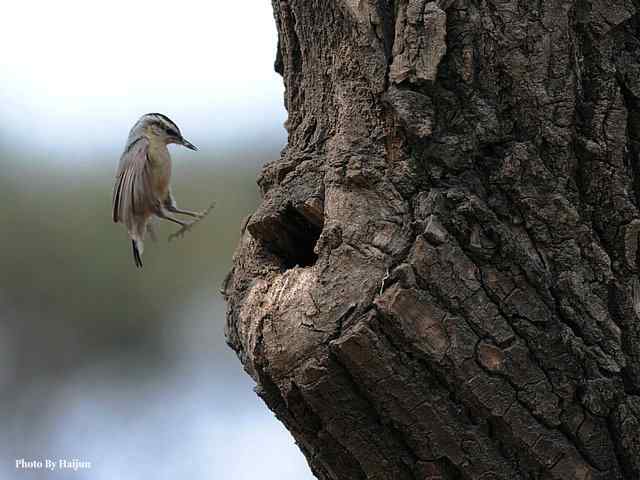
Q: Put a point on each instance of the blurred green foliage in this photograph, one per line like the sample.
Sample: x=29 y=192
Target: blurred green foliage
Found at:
x=123 y=367
x=67 y=274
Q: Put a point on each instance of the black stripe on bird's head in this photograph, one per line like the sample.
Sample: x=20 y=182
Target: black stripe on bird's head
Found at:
x=165 y=123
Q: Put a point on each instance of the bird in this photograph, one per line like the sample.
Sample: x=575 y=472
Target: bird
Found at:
x=142 y=187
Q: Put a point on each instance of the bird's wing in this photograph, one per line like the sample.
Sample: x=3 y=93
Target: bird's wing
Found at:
x=132 y=192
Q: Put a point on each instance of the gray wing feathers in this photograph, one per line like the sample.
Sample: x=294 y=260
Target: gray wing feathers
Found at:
x=132 y=193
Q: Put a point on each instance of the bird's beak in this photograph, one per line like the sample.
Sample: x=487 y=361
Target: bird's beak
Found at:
x=188 y=144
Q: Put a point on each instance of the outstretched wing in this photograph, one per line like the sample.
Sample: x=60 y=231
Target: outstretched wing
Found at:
x=132 y=193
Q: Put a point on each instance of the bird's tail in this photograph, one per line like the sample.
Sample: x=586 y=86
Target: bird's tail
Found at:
x=137 y=252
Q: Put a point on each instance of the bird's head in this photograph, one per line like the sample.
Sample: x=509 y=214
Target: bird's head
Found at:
x=157 y=126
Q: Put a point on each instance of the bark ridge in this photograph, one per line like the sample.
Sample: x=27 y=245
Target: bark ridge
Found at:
x=441 y=281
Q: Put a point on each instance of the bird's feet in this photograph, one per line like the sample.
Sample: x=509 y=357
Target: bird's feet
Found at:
x=182 y=230
x=206 y=211
x=187 y=226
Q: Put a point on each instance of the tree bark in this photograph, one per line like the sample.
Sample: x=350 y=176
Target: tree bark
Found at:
x=441 y=281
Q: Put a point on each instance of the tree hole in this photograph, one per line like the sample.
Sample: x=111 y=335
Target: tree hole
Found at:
x=291 y=236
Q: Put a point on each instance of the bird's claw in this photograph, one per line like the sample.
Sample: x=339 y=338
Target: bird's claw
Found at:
x=206 y=211
x=180 y=232
x=187 y=226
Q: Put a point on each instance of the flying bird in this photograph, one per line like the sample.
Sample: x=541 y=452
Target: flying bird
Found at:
x=143 y=182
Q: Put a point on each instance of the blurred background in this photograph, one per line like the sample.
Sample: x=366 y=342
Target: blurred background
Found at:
x=101 y=362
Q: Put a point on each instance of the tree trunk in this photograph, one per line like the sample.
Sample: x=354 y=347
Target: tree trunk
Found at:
x=441 y=280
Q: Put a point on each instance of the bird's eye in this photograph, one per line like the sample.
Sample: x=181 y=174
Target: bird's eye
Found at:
x=172 y=133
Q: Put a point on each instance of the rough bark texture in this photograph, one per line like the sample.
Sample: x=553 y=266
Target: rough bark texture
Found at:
x=441 y=280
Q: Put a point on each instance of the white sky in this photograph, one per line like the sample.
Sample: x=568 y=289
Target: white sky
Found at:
x=75 y=75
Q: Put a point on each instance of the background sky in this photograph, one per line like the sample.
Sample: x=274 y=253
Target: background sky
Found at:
x=129 y=369
x=77 y=74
